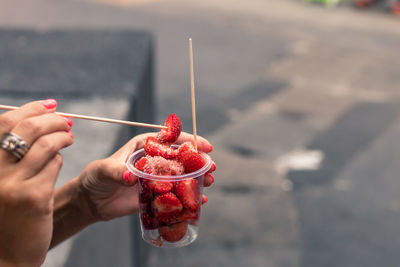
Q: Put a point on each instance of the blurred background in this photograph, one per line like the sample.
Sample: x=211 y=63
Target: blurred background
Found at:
x=300 y=100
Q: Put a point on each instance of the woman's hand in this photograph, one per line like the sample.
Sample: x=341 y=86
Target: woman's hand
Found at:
x=112 y=190
x=26 y=185
x=105 y=190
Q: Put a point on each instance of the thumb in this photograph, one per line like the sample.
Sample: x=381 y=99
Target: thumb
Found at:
x=117 y=171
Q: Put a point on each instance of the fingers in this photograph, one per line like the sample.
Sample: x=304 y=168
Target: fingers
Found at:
x=208 y=177
x=202 y=143
x=212 y=168
x=138 y=142
x=24 y=119
x=115 y=170
x=204 y=199
x=9 y=119
x=47 y=177
x=44 y=149
x=208 y=180
x=30 y=129
x=131 y=146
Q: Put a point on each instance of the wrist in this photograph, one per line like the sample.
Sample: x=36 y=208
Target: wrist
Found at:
x=4 y=263
x=72 y=199
x=72 y=211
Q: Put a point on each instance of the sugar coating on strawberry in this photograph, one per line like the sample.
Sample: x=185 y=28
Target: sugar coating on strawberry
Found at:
x=141 y=163
x=167 y=207
x=154 y=148
x=173 y=232
x=174 y=128
x=160 y=166
x=185 y=148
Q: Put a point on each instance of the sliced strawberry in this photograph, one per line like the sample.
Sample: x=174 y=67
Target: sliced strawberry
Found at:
x=145 y=192
x=188 y=192
x=140 y=164
x=189 y=215
x=148 y=222
x=161 y=186
x=184 y=148
x=173 y=232
x=167 y=207
x=158 y=165
x=173 y=131
x=155 y=148
x=192 y=161
x=157 y=242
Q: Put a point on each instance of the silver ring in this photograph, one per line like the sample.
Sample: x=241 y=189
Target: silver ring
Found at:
x=14 y=144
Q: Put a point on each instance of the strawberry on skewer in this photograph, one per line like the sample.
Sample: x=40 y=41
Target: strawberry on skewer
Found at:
x=171 y=134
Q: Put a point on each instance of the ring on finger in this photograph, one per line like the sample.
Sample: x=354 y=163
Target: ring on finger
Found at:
x=14 y=144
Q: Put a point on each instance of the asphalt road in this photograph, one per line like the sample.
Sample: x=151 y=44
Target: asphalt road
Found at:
x=302 y=106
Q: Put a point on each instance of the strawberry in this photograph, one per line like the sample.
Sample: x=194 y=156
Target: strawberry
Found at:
x=173 y=232
x=160 y=186
x=154 y=148
x=145 y=192
x=184 y=148
x=140 y=164
x=192 y=161
x=188 y=192
x=171 y=134
x=157 y=242
x=148 y=222
x=189 y=215
x=167 y=207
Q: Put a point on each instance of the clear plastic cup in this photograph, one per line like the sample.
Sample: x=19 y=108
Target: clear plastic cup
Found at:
x=182 y=227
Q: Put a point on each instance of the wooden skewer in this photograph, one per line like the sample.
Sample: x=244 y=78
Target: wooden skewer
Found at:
x=83 y=117
x=192 y=93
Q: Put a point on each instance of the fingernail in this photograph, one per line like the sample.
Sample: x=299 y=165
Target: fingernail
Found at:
x=49 y=103
x=69 y=121
x=127 y=177
x=204 y=199
x=212 y=177
x=213 y=167
x=70 y=134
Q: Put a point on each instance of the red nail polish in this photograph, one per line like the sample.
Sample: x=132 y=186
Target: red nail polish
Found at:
x=204 y=199
x=127 y=177
x=49 y=103
x=70 y=134
x=212 y=177
x=213 y=167
x=69 y=121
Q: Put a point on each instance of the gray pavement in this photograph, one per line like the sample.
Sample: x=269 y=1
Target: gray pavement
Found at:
x=302 y=106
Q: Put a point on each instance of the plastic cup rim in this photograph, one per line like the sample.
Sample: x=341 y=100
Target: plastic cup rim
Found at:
x=185 y=176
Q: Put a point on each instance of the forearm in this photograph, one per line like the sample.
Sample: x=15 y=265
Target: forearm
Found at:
x=71 y=212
